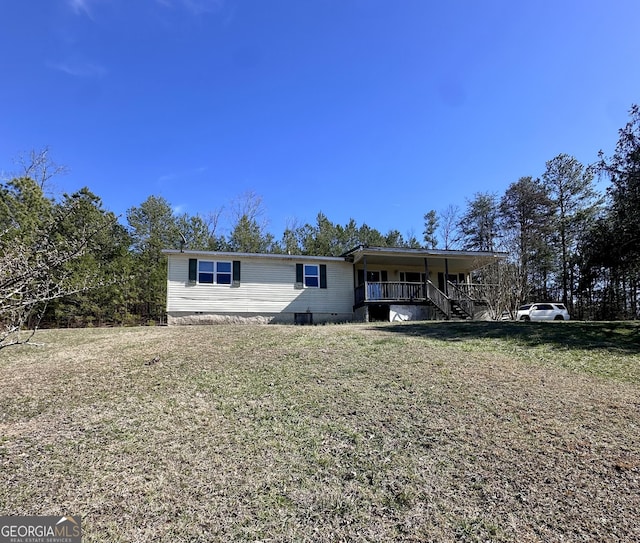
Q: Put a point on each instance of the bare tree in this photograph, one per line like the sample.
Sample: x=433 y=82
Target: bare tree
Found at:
x=448 y=230
x=249 y=205
x=249 y=225
x=212 y=220
x=37 y=270
x=290 y=243
x=31 y=277
x=37 y=165
x=38 y=249
x=494 y=284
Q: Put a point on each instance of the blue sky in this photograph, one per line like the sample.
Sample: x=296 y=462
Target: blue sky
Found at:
x=375 y=110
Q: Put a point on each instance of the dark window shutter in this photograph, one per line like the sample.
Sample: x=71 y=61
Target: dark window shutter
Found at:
x=236 y=271
x=323 y=276
x=299 y=273
x=384 y=277
x=193 y=269
x=461 y=277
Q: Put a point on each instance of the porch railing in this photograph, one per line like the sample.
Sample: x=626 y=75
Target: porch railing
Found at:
x=389 y=291
x=474 y=291
x=400 y=291
x=461 y=296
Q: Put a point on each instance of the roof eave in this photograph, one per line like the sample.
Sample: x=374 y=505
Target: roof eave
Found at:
x=234 y=255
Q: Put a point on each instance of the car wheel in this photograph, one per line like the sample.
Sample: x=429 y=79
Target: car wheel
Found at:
x=558 y=318
x=525 y=318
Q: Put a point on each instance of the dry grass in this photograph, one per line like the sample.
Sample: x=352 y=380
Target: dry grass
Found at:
x=428 y=432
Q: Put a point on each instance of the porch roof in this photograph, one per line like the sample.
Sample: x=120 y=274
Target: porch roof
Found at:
x=470 y=260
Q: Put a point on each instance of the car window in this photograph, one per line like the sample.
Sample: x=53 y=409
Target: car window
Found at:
x=561 y=306
x=542 y=307
x=524 y=307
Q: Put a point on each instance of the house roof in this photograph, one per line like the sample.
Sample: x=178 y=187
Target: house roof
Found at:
x=398 y=256
x=232 y=255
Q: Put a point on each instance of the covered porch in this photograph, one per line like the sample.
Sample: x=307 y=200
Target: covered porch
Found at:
x=417 y=284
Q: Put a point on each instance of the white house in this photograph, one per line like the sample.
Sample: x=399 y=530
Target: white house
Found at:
x=366 y=283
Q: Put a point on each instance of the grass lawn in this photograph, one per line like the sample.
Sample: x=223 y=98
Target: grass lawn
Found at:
x=412 y=432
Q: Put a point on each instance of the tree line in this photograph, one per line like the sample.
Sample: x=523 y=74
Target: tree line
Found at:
x=566 y=242
x=68 y=261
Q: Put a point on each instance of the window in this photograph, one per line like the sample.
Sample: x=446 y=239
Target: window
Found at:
x=373 y=276
x=412 y=277
x=205 y=271
x=214 y=273
x=223 y=273
x=311 y=275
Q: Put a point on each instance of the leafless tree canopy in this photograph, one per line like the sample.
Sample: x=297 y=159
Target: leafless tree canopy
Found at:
x=448 y=229
x=38 y=165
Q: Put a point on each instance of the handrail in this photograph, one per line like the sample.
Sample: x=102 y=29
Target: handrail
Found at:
x=439 y=298
x=462 y=298
x=475 y=291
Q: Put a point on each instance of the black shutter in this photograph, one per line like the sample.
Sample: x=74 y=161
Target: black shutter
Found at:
x=323 y=276
x=384 y=277
x=236 y=272
x=193 y=270
x=299 y=273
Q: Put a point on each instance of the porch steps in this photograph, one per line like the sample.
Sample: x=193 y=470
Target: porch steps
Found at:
x=459 y=314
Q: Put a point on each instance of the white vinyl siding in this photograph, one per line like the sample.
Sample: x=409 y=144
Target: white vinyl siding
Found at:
x=268 y=285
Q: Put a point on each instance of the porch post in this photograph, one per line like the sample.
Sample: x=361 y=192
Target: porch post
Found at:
x=366 y=287
x=426 y=278
x=355 y=284
x=446 y=276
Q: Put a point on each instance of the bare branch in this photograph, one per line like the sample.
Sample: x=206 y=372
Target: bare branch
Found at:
x=212 y=220
x=38 y=166
x=449 y=219
x=250 y=206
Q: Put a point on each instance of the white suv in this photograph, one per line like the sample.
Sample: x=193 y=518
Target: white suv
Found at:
x=542 y=312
